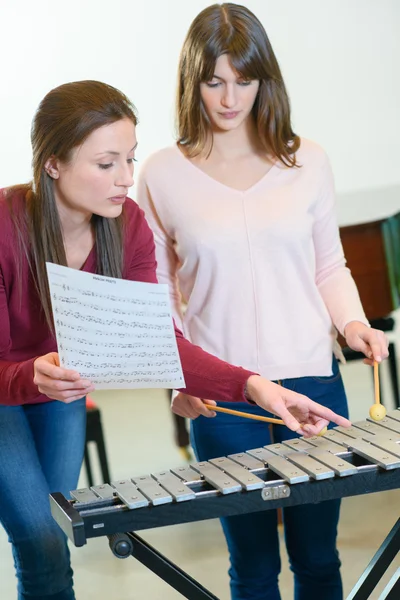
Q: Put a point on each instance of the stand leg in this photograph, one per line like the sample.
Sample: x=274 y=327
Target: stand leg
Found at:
x=378 y=565
x=130 y=544
x=392 y=590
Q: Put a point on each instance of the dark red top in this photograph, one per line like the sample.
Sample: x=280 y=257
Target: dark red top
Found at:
x=24 y=334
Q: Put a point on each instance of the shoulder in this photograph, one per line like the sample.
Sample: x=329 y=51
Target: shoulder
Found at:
x=314 y=164
x=12 y=208
x=133 y=214
x=136 y=226
x=138 y=244
x=311 y=154
x=12 y=228
x=14 y=198
x=5 y=199
x=160 y=163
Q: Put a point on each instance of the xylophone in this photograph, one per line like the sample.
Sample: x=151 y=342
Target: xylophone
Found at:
x=361 y=459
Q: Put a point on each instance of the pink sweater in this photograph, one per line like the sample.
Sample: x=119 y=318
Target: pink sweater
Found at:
x=262 y=272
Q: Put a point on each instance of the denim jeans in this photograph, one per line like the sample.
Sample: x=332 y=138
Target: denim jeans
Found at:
x=310 y=530
x=41 y=451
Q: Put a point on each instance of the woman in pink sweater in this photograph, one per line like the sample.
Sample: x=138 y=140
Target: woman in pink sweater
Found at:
x=246 y=235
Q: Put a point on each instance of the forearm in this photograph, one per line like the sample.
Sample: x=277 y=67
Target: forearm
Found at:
x=342 y=299
x=16 y=382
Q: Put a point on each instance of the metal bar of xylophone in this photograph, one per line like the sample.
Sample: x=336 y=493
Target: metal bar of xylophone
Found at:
x=361 y=459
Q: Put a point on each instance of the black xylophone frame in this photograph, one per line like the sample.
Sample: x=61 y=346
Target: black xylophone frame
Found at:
x=110 y=515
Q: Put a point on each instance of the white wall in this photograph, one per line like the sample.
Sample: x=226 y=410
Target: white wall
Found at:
x=340 y=59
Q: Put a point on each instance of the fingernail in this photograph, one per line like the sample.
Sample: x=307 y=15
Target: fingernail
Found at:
x=378 y=359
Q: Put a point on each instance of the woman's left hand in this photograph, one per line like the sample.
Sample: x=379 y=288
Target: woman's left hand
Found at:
x=371 y=342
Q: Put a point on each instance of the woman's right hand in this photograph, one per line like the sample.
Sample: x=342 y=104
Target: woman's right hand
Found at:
x=191 y=407
x=58 y=383
x=298 y=412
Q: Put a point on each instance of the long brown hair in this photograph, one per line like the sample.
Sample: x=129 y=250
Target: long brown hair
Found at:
x=65 y=118
x=234 y=30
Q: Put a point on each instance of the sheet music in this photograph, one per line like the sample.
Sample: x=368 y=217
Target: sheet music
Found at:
x=116 y=333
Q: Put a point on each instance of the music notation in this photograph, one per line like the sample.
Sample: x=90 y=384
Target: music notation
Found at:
x=116 y=333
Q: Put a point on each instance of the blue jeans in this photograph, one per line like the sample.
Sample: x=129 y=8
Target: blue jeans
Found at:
x=41 y=451
x=310 y=530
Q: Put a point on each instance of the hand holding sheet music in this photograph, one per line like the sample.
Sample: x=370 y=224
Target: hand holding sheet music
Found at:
x=115 y=333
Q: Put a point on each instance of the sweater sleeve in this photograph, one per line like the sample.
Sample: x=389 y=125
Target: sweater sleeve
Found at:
x=16 y=378
x=167 y=260
x=205 y=375
x=333 y=278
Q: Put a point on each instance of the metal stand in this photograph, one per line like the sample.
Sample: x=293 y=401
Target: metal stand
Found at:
x=130 y=544
x=377 y=567
x=392 y=590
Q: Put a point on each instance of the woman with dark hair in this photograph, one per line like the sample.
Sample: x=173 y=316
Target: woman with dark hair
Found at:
x=76 y=213
x=246 y=236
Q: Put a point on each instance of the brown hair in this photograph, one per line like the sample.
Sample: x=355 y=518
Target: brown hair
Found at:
x=66 y=116
x=233 y=29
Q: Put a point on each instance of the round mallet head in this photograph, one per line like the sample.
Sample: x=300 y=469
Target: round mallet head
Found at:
x=377 y=412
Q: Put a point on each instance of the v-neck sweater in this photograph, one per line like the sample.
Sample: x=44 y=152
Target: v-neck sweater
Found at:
x=261 y=272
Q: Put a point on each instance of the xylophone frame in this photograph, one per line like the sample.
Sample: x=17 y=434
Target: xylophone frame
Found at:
x=130 y=544
x=124 y=545
x=358 y=460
